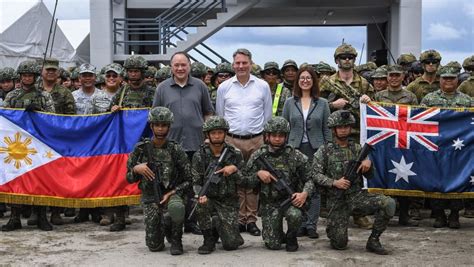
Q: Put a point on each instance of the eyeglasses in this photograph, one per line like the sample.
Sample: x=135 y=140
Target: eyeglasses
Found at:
x=346 y=57
x=430 y=61
x=417 y=72
x=111 y=76
x=271 y=72
x=224 y=75
x=309 y=78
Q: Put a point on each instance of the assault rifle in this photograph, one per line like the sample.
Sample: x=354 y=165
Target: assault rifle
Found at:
x=212 y=178
x=346 y=91
x=281 y=183
x=155 y=168
x=350 y=173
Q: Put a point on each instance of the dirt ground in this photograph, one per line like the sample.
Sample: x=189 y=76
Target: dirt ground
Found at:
x=88 y=244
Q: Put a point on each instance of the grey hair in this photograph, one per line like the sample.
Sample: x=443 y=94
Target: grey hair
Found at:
x=242 y=51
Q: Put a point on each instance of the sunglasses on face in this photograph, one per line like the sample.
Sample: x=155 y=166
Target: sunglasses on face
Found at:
x=111 y=76
x=417 y=72
x=431 y=61
x=346 y=57
x=271 y=72
x=224 y=75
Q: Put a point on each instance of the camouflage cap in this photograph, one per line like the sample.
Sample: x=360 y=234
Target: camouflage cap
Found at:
x=289 y=63
x=447 y=71
x=99 y=78
x=369 y=66
x=7 y=74
x=323 y=67
x=277 y=125
x=114 y=67
x=405 y=59
x=160 y=115
x=51 y=63
x=215 y=123
x=198 y=69
x=468 y=63
x=150 y=71
x=345 y=49
x=87 y=68
x=340 y=118
x=430 y=55
x=380 y=73
x=224 y=67
x=271 y=65
x=135 y=62
x=395 y=69
x=256 y=69
x=210 y=70
x=455 y=65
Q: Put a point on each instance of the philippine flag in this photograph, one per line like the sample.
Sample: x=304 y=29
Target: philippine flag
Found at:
x=69 y=161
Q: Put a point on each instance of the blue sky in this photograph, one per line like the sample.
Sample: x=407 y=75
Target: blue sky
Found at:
x=447 y=26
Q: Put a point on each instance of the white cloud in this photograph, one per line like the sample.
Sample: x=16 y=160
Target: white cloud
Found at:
x=75 y=30
x=469 y=9
x=444 y=31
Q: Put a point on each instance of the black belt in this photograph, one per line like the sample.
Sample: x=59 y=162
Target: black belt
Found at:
x=250 y=136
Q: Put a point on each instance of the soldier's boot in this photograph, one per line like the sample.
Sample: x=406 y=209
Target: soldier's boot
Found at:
x=128 y=221
x=33 y=218
x=43 y=223
x=160 y=247
x=176 y=236
x=403 y=218
x=14 y=222
x=291 y=241
x=363 y=222
x=82 y=216
x=119 y=224
x=69 y=212
x=209 y=244
x=56 y=218
x=453 y=220
x=415 y=214
x=373 y=244
x=3 y=209
x=468 y=213
x=167 y=228
x=440 y=219
x=26 y=211
x=95 y=215
x=107 y=217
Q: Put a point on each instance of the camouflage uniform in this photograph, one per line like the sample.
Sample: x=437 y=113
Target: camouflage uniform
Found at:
x=284 y=92
x=467 y=87
x=329 y=163
x=127 y=97
x=222 y=198
x=441 y=99
x=288 y=63
x=175 y=174
x=294 y=165
x=224 y=67
x=399 y=96
x=6 y=74
x=101 y=101
x=420 y=87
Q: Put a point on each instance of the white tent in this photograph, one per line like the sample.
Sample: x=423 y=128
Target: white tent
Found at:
x=27 y=36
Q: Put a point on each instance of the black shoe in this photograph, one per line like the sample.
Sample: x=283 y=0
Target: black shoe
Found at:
x=291 y=242
x=242 y=228
x=253 y=229
x=70 y=212
x=118 y=225
x=83 y=216
x=453 y=220
x=192 y=228
x=43 y=223
x=312 y=233
x=301 y=232
x=440 y=221
x=12 y=225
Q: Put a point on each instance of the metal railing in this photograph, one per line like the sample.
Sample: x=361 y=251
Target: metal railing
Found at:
x=160 y=33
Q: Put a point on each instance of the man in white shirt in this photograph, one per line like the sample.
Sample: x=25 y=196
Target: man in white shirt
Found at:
x=245 y=101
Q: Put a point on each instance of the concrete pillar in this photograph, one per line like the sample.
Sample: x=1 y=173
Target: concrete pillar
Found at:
x=118 y=12
x=405 y=27
x=101 y=33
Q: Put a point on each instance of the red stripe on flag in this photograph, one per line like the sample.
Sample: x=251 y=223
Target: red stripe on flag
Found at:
x=83 y=177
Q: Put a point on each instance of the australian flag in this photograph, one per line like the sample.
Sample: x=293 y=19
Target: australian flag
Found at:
x=420 y=151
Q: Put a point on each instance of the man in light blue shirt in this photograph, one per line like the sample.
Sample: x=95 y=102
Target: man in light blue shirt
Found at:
x=245 y=101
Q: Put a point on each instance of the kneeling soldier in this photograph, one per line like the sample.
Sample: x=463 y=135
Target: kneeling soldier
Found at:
x=282 y=175
x=163 y=171
x=216 y=176
x=329 y=165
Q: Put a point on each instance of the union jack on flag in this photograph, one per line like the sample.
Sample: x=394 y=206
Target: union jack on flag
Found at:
x=404 y=123
x=420 y=151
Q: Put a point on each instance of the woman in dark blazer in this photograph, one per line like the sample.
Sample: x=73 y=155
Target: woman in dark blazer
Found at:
x=308 y=115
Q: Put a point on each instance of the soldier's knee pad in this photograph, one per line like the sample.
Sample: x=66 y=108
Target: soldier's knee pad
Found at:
x=176 y=209
x=389 y=207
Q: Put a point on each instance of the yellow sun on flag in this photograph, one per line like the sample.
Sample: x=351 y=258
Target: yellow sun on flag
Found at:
x=17 y=150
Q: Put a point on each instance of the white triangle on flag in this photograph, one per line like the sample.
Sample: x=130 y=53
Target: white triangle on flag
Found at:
x=20 y=152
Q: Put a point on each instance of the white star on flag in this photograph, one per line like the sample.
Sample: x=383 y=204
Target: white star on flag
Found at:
x=458 y=144
x=402 y=170
x=472 y=180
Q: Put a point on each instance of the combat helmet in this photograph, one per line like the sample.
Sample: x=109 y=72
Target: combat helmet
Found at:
x=224 y=67
x=135 y=62
x=7 y=74
x=406 y=59
x=345 y=49
x=454 y=64
x=340 y=118
x=323 y=67
x=160 y=115
x=64 y=74
x=256 y=69
x=468 y=63
x=198 y=69
x=430 y=55
x=277 y=124
x=150 y=71
x=163 y=73
x=215 y=123
x=28 y=66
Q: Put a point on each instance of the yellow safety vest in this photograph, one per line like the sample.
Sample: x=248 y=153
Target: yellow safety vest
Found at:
x=276 y=99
